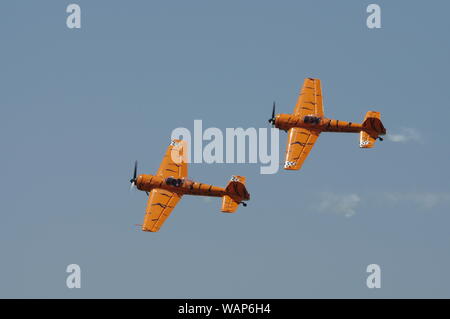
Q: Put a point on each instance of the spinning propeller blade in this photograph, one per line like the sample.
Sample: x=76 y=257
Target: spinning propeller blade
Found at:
x=272 y=119
x=133 y=179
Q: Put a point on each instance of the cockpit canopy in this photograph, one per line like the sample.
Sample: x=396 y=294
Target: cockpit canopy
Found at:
x=311 y=119
x=177 y=182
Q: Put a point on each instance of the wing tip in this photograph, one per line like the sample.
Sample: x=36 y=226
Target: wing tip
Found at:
x=291 y=168
x=150 y=230
x=293 y=165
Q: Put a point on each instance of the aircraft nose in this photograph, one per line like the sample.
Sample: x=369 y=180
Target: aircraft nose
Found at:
x=277 y=117
x=138 y=181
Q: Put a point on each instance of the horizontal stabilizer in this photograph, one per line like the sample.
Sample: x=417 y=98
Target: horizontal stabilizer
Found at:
x=236 y=193
x=372 y=128
x=366 y=140
x=372 y=123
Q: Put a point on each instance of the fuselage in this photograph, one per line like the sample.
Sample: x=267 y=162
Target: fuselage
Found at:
x=288 y=121
x=147 y=182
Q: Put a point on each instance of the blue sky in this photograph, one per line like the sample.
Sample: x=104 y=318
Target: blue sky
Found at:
x=79 y=106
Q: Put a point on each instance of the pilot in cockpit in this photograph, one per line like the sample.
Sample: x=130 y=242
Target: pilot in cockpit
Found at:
x=311 y=119
x=177 y=182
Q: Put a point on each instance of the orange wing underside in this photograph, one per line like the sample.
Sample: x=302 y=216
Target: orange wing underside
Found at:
x=299 y=144
x=301 y=140
x=174 y=163
x=161 y=202
x=310 y=99
x=159 y=206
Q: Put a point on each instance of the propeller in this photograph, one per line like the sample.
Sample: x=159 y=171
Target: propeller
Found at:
x=133 y=179
x=272 y=119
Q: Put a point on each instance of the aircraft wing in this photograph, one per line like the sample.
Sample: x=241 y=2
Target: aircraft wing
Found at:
x=159 y=206
x=174 y=163
x=310 y=99
x=299 y=144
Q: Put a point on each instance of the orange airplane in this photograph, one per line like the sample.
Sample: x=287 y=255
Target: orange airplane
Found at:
x=307 y=122
x=170 y=183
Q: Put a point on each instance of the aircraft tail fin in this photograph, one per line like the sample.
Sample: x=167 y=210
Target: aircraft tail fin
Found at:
x=236 y=194
x=372 y=129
